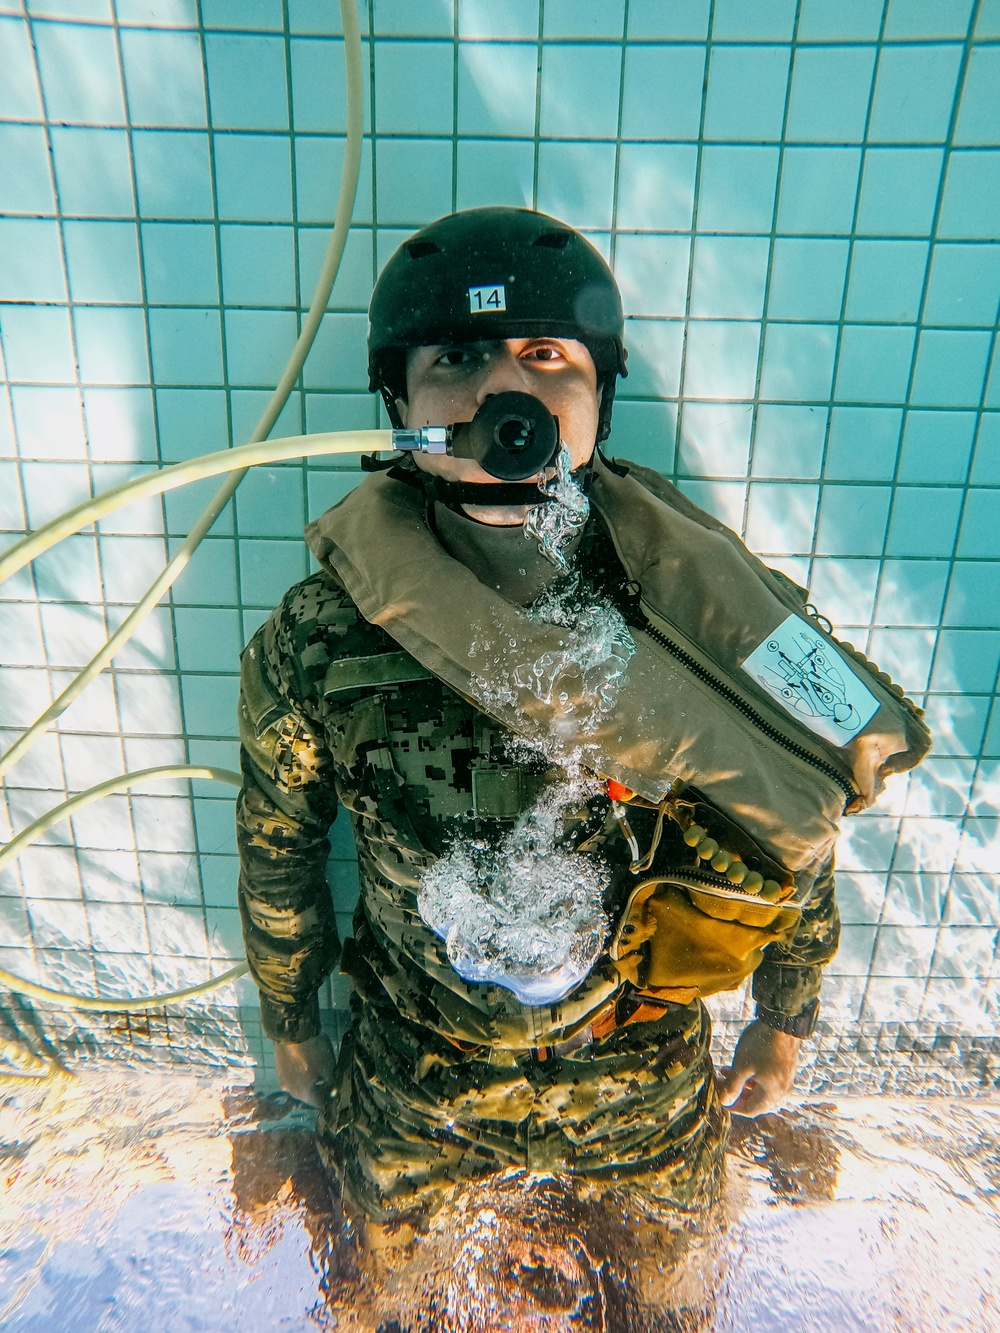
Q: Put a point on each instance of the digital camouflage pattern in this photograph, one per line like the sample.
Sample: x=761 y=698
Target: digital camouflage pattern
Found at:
x=444 y=1079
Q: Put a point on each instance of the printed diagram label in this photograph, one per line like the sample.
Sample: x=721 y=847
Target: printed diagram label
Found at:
x=484 y=299
x=805 y=674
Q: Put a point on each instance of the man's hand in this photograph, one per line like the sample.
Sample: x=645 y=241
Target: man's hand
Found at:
x=305 y=1068
x=762 y=1071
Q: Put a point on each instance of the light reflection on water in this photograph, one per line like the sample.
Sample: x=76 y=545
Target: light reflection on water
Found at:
x=144 y=1201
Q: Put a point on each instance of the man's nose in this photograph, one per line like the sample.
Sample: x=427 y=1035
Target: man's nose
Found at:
x=503 y=372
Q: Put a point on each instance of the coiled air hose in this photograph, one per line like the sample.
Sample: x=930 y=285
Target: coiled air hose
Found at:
x=235 y=462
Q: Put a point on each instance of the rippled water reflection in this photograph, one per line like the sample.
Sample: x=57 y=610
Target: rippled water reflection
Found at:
x=150 y=1202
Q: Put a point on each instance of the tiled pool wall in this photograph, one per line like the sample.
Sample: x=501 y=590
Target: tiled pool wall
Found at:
x=800 y=201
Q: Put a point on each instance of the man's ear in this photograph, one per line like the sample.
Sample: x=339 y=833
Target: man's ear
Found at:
x=401 y=408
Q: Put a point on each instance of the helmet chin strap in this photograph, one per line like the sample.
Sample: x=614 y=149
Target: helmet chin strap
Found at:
x=455 y=494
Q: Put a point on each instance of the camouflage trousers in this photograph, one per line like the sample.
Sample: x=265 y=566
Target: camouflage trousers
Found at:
x=412 y=1117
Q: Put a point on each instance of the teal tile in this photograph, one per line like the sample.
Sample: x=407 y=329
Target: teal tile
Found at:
x=847 y=20
x=911 y=592
x=652 y=273
x=111 y=345
x=874 y=365
x=980 y=535
x=977 y=117
x=644 y=433
x=937 y=446
x=37 y=345
x=26 y=181
x=828 y=102
x=247 y=407
x=253 y=174
x=338 y=359
x=807 y=279
x=914 y=93
x=186 y=346
x=164 y=80
x=788 y=438
x=271 y=502
x=190 y=422
x=259 y=15
x=584 y=18
x=818 y=189
x=414 y=180
x=69 y=9
x=496 y=88
x=721 y=359
x=852 y=520
x=655 y=347
x=988 y=22
x=498 y=18
x=180 y=263
x=656 y=186
x=352 y=288
x=737 y=187
x=258 y=265
x=728 y=276
x=798 y=362
x=887 y=281
x=48 y=422
x=715 y=439
x=844 y=589
x=972 y=593
x=986 y=467
x=414 y=87
x=951 y=368
x=906 y=655
x=269 y=568
x=681 y=20
x=992 y=398
x=991 y=741
x=78 y=64
x=120 y=424
x=102 y=260
x=218 y=876
x=663 y=91
x=567 y=175
x=433 y=18
x=210 y=709
x=93 y=174
x=924 y=521
x=158 y=13
x=971 y=202
x=899 y=190
x=19 y=97
x=863 y=443
x=735 y=20
x=319 y=164
x=210 y=578
x=239 y=102
x=781 y=518
x=319 y=89
x=927 y=18
x=207 y=640
x=339 y=411
x=746 y=91
x=173 y=175
x=964 y=286
x=328 y=488
x=184 y=506
x=957 y=724
x=494 y=173
x=579 y=95
x=257 y=345
x=31 y=265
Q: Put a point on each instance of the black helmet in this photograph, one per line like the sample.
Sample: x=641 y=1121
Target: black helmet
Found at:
x=494 y=273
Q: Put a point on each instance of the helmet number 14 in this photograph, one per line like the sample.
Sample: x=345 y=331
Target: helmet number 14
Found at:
x=484 y=299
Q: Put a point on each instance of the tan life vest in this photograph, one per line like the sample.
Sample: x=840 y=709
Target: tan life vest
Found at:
x=692 y=708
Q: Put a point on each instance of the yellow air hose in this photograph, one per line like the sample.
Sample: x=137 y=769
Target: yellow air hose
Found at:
x=233 y=461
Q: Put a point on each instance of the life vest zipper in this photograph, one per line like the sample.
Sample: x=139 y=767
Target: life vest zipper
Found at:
x=643 y=623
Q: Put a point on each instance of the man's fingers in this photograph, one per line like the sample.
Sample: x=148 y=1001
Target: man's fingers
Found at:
x=733 y=1084
x=755 y=1100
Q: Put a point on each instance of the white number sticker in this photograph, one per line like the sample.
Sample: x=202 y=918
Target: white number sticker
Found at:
x=810 y=679
x=484 y=299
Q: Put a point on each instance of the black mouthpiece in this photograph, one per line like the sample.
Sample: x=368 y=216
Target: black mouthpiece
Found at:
x=512 y=436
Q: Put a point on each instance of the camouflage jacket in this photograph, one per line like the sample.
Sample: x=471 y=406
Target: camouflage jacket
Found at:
x=333 y=713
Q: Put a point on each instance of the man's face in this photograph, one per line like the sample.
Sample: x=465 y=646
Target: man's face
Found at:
x=449 y=383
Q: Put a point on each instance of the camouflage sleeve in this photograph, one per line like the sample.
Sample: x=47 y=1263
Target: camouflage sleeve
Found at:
x=284 y=812
x=789 y=979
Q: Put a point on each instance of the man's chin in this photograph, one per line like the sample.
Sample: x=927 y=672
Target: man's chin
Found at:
x=497 y=516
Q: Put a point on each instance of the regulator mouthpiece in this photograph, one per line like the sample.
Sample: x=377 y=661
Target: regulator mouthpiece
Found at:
x=513 y=436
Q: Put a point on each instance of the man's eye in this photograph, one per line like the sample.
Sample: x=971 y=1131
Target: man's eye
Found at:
x=455 y=356
x=545 y=354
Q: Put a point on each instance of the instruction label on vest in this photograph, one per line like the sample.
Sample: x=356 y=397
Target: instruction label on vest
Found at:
x=798 y=668
x=484 y=299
